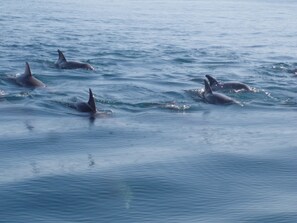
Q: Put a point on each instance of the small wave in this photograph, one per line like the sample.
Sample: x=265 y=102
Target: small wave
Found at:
x=279 y=69
x=2 y=93
x=184 y=60
x=176 y=107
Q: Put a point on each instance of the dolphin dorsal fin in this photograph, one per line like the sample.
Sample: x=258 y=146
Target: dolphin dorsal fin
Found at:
x=61 y=57
x=207 y=88
x=212 y=80
x=27 y=70
x=91 y=101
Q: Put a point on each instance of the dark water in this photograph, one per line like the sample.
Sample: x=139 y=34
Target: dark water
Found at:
x=163 y=155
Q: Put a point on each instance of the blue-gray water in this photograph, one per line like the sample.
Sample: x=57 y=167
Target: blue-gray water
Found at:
x=163 y=155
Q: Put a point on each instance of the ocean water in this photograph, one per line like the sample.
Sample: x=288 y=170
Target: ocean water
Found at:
x=160 y=153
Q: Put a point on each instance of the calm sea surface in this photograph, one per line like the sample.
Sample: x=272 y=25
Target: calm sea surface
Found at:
x=160 y=154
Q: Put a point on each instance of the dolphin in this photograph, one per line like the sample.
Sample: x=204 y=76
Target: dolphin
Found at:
x=27 y=80
x=214 y=97
x=89 y=106
x=237 y=86
x=64 y=64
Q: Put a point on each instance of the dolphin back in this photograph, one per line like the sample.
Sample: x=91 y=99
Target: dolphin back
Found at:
x=61 y=58
x=207 y=88
x=64 y=64
x=212 y=80
x=27 y=72
x=91 y=101
x=27 y=79
x=214 y=97
x=236 y=86
x=75 y=65
x=215 y=85
x=89 y=106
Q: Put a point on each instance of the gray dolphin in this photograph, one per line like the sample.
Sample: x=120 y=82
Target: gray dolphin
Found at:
x=214 y=97
x=64 y=64
x=27 y=80
x=89 y=106
x=237 y=86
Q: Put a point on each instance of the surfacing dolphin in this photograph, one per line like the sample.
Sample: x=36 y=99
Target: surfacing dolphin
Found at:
x=214 y=97
x=64 y=64
x=27 y=80
x=89 y=106
x=237 y=86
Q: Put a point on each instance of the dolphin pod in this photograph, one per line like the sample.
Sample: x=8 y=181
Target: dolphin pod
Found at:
x=209 y=95
x=28 y=80
x=64 y=64
x=216 y=85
